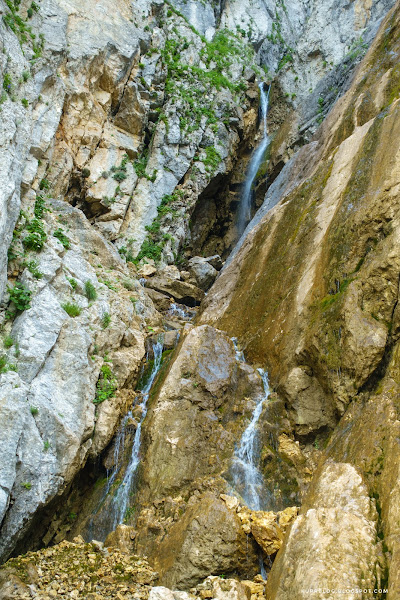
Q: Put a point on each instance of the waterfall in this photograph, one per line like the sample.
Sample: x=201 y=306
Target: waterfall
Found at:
x=244 y=215
x=120 y=501
x=246 y=476
x=112 y=508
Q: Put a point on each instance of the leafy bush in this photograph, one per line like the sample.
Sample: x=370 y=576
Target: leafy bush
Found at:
x=72 y=309
x=60 y=235
x=106 y=384
x=20 y=296
x=37 y=236
x=40 y=207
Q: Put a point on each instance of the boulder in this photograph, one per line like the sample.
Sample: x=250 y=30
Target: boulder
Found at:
x=161 y=301
x=183 y=292
x=202 y=271
x=207 y=539
x=122 y=538
x=147 y=270
x=224 y=589
x=333 y=542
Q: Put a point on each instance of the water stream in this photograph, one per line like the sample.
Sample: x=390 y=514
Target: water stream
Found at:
x=244 y=214
x=247 y=479
x=113 y=506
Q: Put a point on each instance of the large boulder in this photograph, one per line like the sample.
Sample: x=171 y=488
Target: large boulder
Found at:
x=209 y=539
x=181 y=291
x=332 y=544
x=202 y=271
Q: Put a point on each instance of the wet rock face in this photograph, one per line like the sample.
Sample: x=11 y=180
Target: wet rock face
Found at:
x=184 y=437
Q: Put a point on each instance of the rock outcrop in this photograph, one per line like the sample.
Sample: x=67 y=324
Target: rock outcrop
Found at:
x=125 y=134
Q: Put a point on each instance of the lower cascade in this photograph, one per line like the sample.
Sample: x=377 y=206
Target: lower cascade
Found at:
x=118 y=501
x=248 y=481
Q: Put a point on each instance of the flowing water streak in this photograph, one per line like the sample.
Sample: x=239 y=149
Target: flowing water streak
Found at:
x=120 y=501
x=178 y=311
x=245 y=470
x=255 y=163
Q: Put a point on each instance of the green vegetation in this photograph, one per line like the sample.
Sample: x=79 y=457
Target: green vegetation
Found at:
x=106 y=384
x=212 y=159
x=40 y=207
x=26 y=485
x=8 y=342
x=276 y=37
x=37 y=236
x=20 y=296
x=73 y=310
x=153 y=245
x=90 y=291
x=60 y=235
x=5 y=366
x=34 y=411
x=106 y=320
x=25 y=102
x=46 y=445
x=32 y=266
x=73 y=283
x=23 y=32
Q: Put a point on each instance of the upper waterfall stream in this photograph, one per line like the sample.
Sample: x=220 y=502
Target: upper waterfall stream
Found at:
x=244 y=214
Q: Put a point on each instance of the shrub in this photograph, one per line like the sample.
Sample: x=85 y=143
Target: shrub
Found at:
x=60 y=235
x=25 y=102
x=106 y=384
x=90 y=291
x=20 y=296
x=72 y=309
x=34 y=410
x=37 y=236
x=73 y=283
x=44 y=184
x=40 y=207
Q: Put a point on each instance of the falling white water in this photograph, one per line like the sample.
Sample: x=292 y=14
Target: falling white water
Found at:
x=178 y=311
x=248 y=480
x=120 y=501
x=244 y=215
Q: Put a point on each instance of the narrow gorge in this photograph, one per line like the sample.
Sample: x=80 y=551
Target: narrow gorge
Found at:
x=199 y=282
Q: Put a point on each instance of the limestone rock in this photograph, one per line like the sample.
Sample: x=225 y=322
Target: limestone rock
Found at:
x=226 y=589
x=208 y=539
x=202 y=271
x=122 y=538
x=147 y=270
x=332 y=543
x=182 y=292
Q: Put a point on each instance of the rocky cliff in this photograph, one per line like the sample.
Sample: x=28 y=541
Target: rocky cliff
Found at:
x=126 y=130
